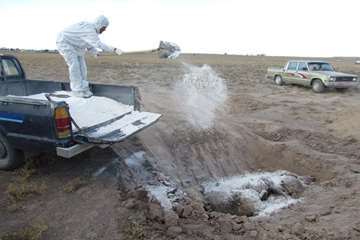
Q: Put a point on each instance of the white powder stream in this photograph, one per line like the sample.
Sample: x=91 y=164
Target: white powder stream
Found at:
x=201 y=92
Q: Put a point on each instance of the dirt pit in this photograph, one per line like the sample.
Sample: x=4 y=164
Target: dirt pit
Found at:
x=227 y=136
x=255 y=194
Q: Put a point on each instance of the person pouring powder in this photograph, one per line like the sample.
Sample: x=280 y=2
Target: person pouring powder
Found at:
x=73 y=42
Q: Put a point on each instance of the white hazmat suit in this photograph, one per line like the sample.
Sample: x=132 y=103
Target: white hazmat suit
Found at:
x=73 y=42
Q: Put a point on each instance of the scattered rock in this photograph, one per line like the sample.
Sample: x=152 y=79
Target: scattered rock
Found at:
x=253 y=234
x=308 y=179
x=276 y=137
x=241 y=219
x=225 y=224
x=198 y=211
x=130 y=203
x=356 y=227
x=328 y=184
x=250 y=235
x=171 y=218
x=179 y=209
x=348 y=184
x=326 y=212
x=193 y=229
x=236 y=226
x=355 y=170
x=174 y=231
x=91 y=235
x=292 y=185
x=187 y=211
x=155 y=212
x=215 y=215
x=338 y=210
x=329 y=121
x=249 y=226
x=198 y=206
x=230 y=237
x=140 y=194
x=311 y=218
x=242 y=206
x=298 y=229
x=216 y=200
x=208 y=234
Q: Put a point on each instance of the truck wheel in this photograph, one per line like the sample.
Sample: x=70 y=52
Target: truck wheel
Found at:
x=10 y=158
x=278 y=80
x=318 y=86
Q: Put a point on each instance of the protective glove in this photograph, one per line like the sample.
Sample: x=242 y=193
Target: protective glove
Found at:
x=94 y=52
x=118 y=51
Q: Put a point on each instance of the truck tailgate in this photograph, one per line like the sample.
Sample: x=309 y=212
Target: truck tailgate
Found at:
x=117 y=129
x=101 y=120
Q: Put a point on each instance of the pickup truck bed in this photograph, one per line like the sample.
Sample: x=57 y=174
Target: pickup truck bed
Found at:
x=100 y=119
x=87 y=112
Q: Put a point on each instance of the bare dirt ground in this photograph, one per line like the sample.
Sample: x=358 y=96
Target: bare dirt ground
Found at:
x=259 y=127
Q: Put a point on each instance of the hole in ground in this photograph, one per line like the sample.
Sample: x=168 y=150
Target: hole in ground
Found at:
x=255 y=194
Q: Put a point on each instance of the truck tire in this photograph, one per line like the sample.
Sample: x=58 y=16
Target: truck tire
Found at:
x=10 y=158
x=318 y=86
x=278 y=80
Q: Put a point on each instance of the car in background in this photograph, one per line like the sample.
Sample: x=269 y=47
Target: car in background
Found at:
x=318 y=75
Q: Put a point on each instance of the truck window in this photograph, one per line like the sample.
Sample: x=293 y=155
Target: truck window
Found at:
x=10 y=68
x=302 y=67
x=320 y=66
x=292 y=66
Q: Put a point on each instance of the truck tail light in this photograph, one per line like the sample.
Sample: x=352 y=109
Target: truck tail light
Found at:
x=62 y=122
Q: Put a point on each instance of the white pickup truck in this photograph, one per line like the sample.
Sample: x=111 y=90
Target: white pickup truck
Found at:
x=318 y=75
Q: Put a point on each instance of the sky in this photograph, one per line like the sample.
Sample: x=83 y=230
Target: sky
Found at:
x=314 y=28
